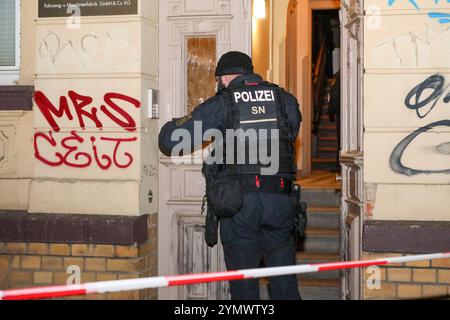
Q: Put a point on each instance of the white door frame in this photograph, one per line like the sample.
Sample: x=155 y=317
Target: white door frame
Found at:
x=352 y=156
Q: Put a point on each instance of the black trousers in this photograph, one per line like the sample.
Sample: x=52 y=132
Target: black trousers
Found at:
x=261 y=229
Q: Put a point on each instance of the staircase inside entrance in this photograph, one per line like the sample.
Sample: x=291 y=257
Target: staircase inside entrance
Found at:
x=322 y=193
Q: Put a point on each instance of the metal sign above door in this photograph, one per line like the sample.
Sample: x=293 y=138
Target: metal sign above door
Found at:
x=84 y=8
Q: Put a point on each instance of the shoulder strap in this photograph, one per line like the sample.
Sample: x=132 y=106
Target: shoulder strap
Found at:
x=269 y=84
x=232 y=113
x=284 y=110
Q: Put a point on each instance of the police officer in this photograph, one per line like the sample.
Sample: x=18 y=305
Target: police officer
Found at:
x=261 y=229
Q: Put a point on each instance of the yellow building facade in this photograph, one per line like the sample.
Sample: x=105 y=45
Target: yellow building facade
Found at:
x=84 y=191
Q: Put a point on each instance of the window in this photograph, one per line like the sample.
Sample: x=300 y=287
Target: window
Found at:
x=9 y=41
x=201 y=67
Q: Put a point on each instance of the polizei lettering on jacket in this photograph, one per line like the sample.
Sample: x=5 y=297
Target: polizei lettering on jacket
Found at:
x=254 y=96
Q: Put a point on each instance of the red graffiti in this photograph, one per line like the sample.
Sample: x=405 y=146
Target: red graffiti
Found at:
x=81 y=106
x=74 y=158
x=73 y=150
x=53 y=143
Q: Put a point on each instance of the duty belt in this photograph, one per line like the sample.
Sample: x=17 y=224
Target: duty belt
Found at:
x=268 y=184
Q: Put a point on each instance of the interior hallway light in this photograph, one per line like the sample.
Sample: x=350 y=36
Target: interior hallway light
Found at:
x=259 y=9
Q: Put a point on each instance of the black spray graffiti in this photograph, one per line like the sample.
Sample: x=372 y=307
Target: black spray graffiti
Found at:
x=436 y=84
x=426 y=94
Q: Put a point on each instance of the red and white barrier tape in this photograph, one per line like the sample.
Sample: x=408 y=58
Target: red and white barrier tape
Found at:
x=179 y=280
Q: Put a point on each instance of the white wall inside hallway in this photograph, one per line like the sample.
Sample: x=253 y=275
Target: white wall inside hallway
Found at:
x=279 y=41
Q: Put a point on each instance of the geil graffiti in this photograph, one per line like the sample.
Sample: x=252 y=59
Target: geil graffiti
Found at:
x=72 y=150
x=423 y=99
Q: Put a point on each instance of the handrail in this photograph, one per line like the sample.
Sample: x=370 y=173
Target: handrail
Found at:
x=318 y=84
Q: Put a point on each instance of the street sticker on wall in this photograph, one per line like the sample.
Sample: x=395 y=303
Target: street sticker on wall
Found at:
x=65 y=8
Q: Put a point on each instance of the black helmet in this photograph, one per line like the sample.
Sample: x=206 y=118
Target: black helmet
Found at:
x=234 y=62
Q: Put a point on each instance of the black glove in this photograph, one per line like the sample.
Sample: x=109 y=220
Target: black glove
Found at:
x=301 y=218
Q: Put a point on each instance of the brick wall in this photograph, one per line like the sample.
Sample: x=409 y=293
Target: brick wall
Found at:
x=417 y=280
x=41 y=264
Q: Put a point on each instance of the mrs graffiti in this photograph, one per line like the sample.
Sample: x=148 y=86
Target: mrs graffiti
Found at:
x=81 y=150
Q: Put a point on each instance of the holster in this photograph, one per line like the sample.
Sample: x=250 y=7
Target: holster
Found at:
x=224 y=196
x=211 y=225
x=301 y=218
x=223 y=200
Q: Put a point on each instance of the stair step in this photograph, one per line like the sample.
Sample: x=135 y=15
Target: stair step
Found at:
x=303 y=258
x=328 y=143
x=322 y=232
x=321 y=240
x=328 y=139
x=309 y=290
x=321 y=197
x=323 y=180
x=323 y=219
x=333 y=187
x=316 y=257
x=325 y=210
x=330 y=245
x=325 y=275
x=323 y=160
x=332 y=283
x=326 y=133
x=328 y=128
x=321 y=283
x=327 y=149
x=325 y=166
x=328 y=155
x=324 y=118
x=324 y=163
x=326 y=122
x=318 y=293
x=324 y=111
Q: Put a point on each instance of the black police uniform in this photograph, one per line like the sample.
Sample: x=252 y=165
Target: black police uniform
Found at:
x=262 y=228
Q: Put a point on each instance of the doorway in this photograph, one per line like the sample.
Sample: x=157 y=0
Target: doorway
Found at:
x=325 y=67
x=321 y=189
x=312 y=51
